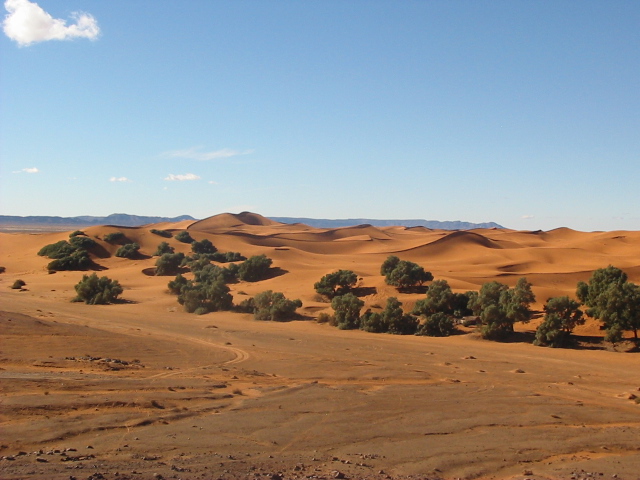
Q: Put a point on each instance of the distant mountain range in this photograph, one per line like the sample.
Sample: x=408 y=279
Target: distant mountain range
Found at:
x=126 y=220
x=433 y=224
x=121 y=219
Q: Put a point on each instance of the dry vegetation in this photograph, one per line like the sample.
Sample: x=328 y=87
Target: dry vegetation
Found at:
x=140 y=388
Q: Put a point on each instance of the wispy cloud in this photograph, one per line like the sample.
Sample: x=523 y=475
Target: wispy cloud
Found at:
x=527 y=217
x=187 y=176
x=196 y=153
x=28 y=23
x=212 y=182
x=119 y=179
x=27 y=170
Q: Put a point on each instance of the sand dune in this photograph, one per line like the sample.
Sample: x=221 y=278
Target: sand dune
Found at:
x=222 y=395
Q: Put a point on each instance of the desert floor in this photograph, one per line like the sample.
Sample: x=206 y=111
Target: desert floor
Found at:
x=140 y=389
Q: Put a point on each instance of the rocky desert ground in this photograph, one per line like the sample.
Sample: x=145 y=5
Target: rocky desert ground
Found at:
x=140 y=389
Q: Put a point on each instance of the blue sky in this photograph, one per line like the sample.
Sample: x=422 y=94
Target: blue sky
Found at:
x=520 y=112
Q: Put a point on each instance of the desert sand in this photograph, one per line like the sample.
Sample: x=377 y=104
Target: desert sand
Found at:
x=141 y=389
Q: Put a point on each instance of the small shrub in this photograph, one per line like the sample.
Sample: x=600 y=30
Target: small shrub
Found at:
x=347 y=311
x=248 y=305
x=274 y=306
x=114 y=237
x=336 y=283
x=437 y=325
x=130 y=250
x=76 y=233
x=94 y=290
x=200 y=311
x=82 y=242
x=203 y=246
x=226 y=257
x=18 y=284
x=175 y=285
x=323 y=318
x=163 y=247
x=212 y=297
x=184 y=237
x=162 y=233
x=169 y=263
x=255 y=268
x=3 y=269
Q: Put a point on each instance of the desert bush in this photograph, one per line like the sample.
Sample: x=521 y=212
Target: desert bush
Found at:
x=561 y=316
x=372 y=322
x=274 y=306
x=211 y=273
x=114 y=237
x=76 y=233
x=57 y=250
x=398 y=322
x=347 y=311
x=82 y=242
x=613 y=300
x=336 y=283
x=184 y=237
x=169 y=263
x=78 y=260
x=403 y=274
x=247 y=305
x=94 y=290
x=439 y=300
x=3 y=269
x=438 y=324
x=499 y=307
x=255 y=268
x=323 y=318
x=175 y=285
x=163 y=247
x=18 y=284
x=226 y=257
x=209 y=296
x=161 y=233
x=203 y=246
x=130 y=250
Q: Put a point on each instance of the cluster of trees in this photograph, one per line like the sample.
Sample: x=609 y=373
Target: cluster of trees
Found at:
x=69 y=255
x=209 y=290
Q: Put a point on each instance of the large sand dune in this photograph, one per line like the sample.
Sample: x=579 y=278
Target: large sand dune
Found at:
x=225 y=396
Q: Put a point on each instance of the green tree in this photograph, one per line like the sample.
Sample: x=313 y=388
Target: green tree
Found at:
x=94 y=290
x=162 y=233
x=274 y=306
x=407 y=274
x=398 y=322
x=184 y=237
x=175 y=285
x=613 y=300
x=129 y=250
x=115 y=237
x=205 y=297
x=438 y=324
x=389 y=265
x=500 y=307
x=169 y=263
x=439 y=299
x=163 y=247
x=373 y=322
x=561 y=316
x=203 y=246
x=78 y=260
x=80 y=241
x=347 y=311
x=336 y=283
x=255 y=268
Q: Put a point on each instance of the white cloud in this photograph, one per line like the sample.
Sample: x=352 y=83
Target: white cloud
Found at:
x=194 y=153
x=527 y=217
x=212 y=182
x=119 y=179
x=28 y=23
x=187 y=176
x=27 y=170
